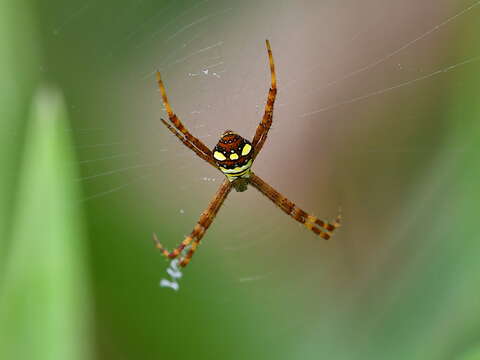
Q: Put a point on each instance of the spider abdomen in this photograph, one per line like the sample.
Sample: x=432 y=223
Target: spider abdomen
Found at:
x=233 y=156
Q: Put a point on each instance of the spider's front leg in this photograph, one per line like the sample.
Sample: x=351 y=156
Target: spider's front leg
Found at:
x=200 y=228
x=318 y=226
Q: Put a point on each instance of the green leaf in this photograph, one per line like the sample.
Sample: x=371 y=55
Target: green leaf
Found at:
x=18 y=72
x=44 y=302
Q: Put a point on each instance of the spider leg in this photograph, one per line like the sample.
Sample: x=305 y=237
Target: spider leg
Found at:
x=200 y=228
x=178 y=124
x=319 y=227
x=174 y=253
x=189 y=144
x=206 y=219
x=266 y=123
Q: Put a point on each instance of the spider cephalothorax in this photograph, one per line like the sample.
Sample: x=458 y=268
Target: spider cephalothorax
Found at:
x=233 y=156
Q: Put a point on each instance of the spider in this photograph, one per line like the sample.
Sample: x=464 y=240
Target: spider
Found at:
x=233 y=156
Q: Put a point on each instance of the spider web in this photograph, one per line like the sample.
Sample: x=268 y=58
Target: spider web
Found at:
x=359 y=84
x=189 y=52
x=195 y=58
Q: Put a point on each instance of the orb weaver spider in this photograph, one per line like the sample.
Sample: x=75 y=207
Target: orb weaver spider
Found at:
x=233 y=156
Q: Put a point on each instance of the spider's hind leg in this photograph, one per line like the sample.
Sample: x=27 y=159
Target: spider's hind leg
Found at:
x=174 y=119
x=266 y=122
x=190 y=145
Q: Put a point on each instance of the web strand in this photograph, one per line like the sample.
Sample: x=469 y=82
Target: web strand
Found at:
x=391 y=88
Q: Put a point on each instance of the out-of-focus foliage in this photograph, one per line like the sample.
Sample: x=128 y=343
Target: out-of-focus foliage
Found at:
x=18 y=73
x=45 y=308
x=472 y=354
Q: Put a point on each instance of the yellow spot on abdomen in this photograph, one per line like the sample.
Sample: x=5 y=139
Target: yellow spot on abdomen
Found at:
x=246 y=149
x=234 y=156
x=219 y=156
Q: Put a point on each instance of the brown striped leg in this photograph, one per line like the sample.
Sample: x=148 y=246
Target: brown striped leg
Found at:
x=264 y=126
x=174 y=253
x=200 y=228
x=177 y=123
x=189 y=144
x=319 y=227
x=206 y=220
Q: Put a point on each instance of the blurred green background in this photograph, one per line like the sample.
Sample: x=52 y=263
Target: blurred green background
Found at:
x=377 y=111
